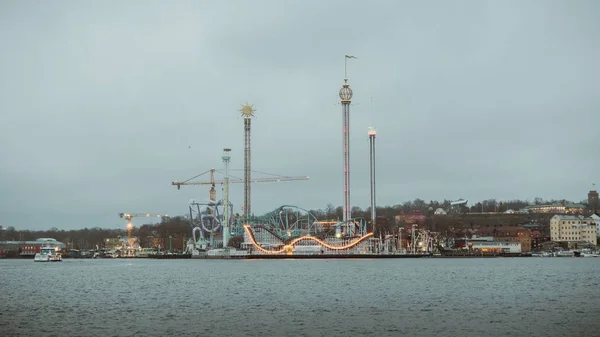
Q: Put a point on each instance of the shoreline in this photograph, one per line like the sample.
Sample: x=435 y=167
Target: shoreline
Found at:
x=296 y=257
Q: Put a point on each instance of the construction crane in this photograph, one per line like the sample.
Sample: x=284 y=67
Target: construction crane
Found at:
x=128 y=216
x=213 y=182
x=237 y=181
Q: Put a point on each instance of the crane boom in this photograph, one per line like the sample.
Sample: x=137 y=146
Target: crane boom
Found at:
x=238 y=181
x=128 y=216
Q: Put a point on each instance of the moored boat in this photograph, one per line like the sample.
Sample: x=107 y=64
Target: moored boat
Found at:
x=48 y=254
x=589 y=255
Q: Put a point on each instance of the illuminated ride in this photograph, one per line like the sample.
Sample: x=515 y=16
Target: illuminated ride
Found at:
x=303 y=244
x=207 y=221
x=292 y=229
x=289 y=221
x=285 y=230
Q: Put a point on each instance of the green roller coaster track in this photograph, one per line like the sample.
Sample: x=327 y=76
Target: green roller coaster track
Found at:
x=278 y=222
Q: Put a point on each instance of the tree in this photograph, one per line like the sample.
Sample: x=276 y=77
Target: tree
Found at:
x=236 y=241
x=356 y=210
x=330 y=211
x=419 y=205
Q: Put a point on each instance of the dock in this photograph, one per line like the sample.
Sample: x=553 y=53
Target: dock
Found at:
x=344 y=256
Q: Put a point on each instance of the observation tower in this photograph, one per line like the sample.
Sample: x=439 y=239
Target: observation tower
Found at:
x=247 y=111
x=346 y=97
x=372 y=133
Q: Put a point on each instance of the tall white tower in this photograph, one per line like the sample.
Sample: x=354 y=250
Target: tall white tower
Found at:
x=226 y=157
x=372 y=133
x=247 y=111
x=346 y=97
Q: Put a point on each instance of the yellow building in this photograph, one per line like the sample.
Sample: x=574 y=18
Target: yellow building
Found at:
x=573 y=229
x=567 y=208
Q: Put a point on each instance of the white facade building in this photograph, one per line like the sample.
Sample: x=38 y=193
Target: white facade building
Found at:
x=596 y=219
x=503 y=247
x=573 y=228
x=440 y=211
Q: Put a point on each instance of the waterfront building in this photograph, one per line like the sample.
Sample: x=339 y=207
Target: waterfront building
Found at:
x=440 y=211
x=593 y=201
x=558 y=208
x=459 y=206
x=30 y=248
x=464 y=242
x=596 y=220
x=509 y=234
x=488 y=244
x=497 y=247
x=573 y=229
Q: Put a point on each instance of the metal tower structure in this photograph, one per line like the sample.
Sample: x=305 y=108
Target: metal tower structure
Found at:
x=372 y=133
x=226 y=157
x=247 y=111
x=346 y=97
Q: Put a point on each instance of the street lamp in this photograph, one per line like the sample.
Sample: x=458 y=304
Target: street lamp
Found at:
x=400 y=229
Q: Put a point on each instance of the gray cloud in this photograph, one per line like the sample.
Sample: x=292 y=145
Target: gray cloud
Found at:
x=99 y=102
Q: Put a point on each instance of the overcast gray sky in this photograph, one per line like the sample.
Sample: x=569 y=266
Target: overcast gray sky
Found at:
x=100 y=102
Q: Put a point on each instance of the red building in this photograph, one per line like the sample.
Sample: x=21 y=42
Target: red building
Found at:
x=30 y=248
x=509 y=234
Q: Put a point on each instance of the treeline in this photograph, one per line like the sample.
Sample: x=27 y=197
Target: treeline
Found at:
x=88 y=238
x=428 y=208
x=179 y=227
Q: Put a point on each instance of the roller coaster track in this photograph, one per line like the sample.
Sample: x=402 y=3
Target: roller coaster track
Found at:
x=272 y=232
x=297 y=240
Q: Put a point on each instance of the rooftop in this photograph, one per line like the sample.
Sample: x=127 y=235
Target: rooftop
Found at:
x=571 y=217
x=503 y=230
x=558 y=204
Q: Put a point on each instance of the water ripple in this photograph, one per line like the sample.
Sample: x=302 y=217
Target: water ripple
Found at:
x=425 y=297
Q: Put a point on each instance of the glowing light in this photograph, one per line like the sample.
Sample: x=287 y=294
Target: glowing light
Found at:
x=295 y=241
x=247 y=110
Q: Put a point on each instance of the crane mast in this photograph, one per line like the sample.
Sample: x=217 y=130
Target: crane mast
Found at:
x=213 y=193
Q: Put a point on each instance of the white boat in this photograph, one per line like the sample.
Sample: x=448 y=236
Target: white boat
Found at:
x=589 y=255
x=565 y=253
x=48 y=254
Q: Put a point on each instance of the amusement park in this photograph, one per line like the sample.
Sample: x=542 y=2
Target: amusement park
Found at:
x=216 y=232
x=288 y=229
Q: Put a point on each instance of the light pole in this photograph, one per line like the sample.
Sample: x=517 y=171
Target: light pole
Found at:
x=226 y=157
x=412 y=245
x=372 y=133
x=400 y=229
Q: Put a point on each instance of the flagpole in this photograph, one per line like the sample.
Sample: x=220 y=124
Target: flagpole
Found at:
x=345 y=67
x=346 y=57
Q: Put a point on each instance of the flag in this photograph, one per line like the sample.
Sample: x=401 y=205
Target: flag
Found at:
x=351 y=57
